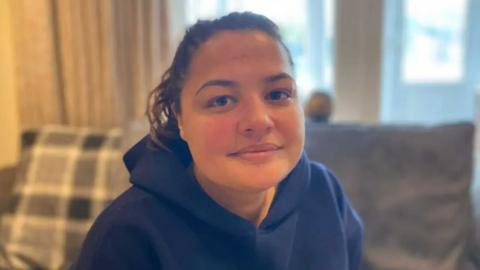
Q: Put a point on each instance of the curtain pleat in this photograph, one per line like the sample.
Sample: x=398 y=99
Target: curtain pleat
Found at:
x=36 y=63
x=88 y=63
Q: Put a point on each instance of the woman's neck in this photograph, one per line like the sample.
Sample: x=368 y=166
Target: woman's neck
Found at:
x=252 y=206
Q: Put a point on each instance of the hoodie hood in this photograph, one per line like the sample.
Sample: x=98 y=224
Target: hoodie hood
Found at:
x=164 y=174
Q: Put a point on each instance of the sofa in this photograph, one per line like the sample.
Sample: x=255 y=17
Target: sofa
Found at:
x=412 y=185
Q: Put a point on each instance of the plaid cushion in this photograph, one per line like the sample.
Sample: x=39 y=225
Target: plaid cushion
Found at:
x=66 y=177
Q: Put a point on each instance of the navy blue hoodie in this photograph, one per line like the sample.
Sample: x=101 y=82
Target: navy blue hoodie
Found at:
x=166 y=221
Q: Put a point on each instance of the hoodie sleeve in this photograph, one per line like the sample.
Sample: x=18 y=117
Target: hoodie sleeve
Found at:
x=119 y=247
x=353 y=225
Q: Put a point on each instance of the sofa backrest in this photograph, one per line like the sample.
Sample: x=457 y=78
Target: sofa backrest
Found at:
x=410 y=184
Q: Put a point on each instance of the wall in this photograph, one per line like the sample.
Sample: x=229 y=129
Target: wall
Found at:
x=9 y=128
x=358 y=60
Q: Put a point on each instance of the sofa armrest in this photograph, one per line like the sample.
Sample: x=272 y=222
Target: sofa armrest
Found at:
x=7 y=180
x=474 y=256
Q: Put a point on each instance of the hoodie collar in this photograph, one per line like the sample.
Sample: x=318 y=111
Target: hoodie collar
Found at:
x=162 y=173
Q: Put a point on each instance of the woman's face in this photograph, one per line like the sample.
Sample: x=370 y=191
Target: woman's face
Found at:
x=240 y=115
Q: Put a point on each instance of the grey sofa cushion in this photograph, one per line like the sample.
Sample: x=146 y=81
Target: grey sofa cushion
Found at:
x=410 y=184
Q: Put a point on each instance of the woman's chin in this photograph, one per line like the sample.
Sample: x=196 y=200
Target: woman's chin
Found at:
x=247 y=176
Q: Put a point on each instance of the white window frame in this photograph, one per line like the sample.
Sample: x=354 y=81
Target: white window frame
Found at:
x=394 y=102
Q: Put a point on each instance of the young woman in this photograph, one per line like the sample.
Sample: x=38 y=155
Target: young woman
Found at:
x=222 y=181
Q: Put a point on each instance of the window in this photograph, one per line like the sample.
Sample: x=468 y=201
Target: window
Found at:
x=434 y=41
x=431 y=61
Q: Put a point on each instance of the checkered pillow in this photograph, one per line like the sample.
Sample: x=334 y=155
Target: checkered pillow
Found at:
x=66 y=177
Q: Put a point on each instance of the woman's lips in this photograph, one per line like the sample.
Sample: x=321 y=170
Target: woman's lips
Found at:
x=256 y=153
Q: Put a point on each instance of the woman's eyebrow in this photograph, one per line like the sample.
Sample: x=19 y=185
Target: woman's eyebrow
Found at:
x=224 y=83
x=278 y=77
x=233 y=84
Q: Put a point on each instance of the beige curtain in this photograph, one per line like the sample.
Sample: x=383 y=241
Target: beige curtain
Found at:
x=88 y=63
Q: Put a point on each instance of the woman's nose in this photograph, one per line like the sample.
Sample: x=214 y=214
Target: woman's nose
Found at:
x=255 y=121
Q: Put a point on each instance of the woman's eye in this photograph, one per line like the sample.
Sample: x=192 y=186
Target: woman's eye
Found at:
x=278 y=95
x=220 y=101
